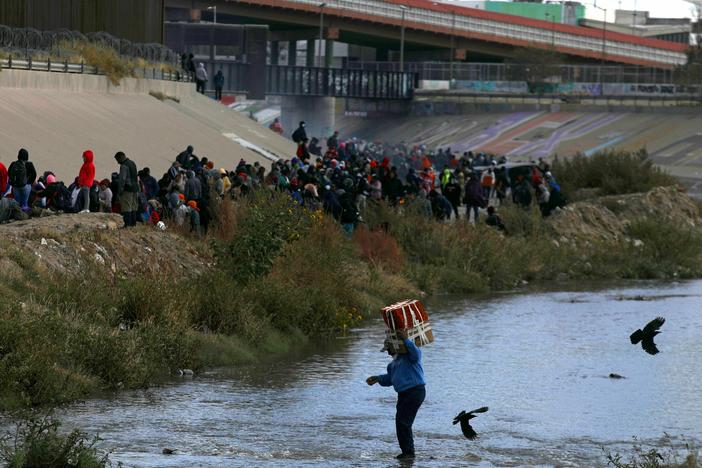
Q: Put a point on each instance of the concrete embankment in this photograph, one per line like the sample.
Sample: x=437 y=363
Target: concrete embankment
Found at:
x=672 y=139
x=57 y=116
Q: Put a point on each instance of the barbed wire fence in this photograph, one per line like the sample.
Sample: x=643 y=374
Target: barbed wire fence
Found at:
x=26 y=42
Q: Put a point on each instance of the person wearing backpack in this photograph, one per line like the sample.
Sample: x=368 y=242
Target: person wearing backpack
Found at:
x=300 y=134
x=18 y=178
x=86 y=179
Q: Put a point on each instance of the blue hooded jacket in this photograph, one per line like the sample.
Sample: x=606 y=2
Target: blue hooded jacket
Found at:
x=405 y=371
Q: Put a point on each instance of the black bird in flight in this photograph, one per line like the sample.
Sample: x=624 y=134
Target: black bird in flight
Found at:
x=646 y=335
x=464 y=418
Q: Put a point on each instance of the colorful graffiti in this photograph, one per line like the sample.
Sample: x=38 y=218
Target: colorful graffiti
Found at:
x=574 y=89
x=537 y=134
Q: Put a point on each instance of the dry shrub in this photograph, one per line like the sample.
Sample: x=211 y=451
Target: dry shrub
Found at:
x=107 y=60
x=379 y=247
x=225 y=218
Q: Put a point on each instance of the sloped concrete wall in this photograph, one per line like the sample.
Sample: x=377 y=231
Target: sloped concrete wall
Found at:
x=83 y=83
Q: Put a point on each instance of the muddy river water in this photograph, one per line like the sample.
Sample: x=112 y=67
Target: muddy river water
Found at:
x=539 y=360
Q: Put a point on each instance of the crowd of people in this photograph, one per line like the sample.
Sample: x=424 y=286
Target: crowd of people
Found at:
x=346 y=175
x=182 y=194
x=342 y=179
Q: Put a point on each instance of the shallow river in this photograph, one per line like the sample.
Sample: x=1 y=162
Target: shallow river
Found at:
x=540 y=361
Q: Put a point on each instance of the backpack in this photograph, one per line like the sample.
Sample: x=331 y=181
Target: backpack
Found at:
x=297 y=135
x=95 y=197
x=63 y=200
x=18 y=174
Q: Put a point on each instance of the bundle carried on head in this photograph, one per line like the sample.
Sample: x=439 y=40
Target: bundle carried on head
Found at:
x=412 y=317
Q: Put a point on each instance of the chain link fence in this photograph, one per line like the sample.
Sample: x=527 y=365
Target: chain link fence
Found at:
x=28 y=42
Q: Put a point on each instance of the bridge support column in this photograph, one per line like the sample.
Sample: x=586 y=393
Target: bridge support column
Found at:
x=328 y=53
x=275 y=53
x=292 y=53
x=310 y=53
x=317 y=112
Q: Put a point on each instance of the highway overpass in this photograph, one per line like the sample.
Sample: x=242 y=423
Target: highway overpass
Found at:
x=431 y=26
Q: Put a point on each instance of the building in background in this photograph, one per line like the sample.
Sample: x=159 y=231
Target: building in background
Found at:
x=560 y=12
x=135 y=20
x=639 y=23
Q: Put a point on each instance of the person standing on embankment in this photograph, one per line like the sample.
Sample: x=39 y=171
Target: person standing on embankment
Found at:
x=127 y=188
x=86 y=178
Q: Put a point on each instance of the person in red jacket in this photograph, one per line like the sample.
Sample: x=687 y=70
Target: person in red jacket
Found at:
x=86 y=177
x=3 y=179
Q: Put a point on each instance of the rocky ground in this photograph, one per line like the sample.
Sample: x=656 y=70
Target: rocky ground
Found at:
x=64 y=243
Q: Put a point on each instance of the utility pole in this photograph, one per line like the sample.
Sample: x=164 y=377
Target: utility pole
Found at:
x=214 y=27
x=321 y=33
x=453 y=46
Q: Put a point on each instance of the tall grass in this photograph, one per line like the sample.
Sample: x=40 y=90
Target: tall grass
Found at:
x=609 y=173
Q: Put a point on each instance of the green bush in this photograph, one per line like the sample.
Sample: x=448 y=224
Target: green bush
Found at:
x=37 y=443
x=609 y=173
x=268 y=221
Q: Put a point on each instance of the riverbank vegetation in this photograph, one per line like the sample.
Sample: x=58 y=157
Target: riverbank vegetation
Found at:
x=37 y=442
x=282 y=276
x=612 y=172
x=670 y=454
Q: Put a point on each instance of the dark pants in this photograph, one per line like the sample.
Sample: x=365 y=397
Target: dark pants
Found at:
x=200 y=86
x=130 y=207
x=408 y=403
x=218 y=94
x=475 y=209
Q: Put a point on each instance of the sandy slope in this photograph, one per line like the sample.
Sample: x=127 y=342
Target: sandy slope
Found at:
x=56 y=126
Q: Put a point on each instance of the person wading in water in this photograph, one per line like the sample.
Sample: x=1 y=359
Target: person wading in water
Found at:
x=406 y=375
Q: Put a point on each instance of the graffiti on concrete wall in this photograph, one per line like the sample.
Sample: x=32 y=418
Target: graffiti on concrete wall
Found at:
x=497 y=87
x=570 y=89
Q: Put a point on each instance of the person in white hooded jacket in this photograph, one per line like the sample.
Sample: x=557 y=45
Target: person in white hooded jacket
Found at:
x=200 y=78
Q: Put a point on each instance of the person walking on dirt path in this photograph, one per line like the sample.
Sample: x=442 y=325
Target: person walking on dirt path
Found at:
x=473 y=197
x=406 y=375
x=86 y=178
x=127 y=189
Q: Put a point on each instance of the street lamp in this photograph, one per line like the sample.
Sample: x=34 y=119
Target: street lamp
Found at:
x=553 y=28
x=402 y=39
x=321 y=33
x=214 y=25
x=604 y=39
x=604 y=31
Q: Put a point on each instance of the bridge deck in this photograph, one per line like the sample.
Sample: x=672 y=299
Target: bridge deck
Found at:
x=496 y=28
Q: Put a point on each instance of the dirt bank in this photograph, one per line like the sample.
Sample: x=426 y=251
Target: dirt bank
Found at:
x=607 y=218
x=64 y=243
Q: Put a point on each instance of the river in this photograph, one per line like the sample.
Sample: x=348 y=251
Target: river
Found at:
x=539 y=360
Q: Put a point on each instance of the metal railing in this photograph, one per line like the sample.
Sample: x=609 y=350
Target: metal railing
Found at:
x=505 y=32
x=514 y=72
x=338 y=82
x=688 y=100
x=68 y=67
